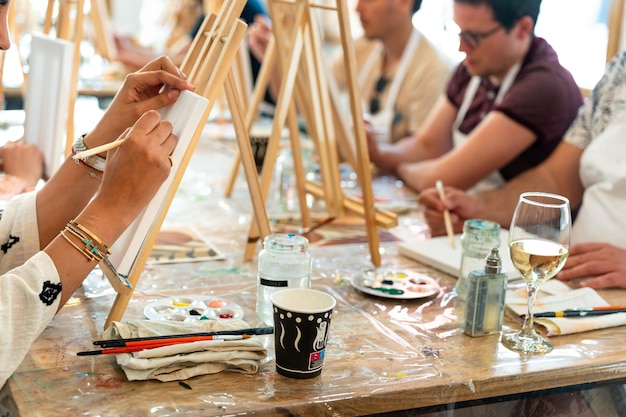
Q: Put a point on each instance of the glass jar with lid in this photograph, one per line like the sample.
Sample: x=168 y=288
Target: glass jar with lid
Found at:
x=284 y=262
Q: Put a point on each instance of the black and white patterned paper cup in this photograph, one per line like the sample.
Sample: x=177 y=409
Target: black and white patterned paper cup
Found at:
x=301 y=324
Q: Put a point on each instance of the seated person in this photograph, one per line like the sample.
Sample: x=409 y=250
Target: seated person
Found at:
x=189 y=16
x=506 y=107
x=401 y=74
x=22 y=164
x=187 y=20
x=587 y=167
x=44 y=256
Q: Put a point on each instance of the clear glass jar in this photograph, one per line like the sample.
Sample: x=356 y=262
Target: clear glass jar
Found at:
x=478 y=237
x=284 y=262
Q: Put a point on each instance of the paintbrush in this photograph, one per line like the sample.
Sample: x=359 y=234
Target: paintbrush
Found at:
x=446 y=213
x=122 y=342
x=583 y=312
x=99 y=149
x=137 y=346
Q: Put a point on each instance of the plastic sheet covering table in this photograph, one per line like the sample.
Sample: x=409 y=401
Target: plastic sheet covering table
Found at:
x=383 y=355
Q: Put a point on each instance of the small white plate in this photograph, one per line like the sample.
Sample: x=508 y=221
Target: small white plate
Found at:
x=402 y=285
x=189 y=308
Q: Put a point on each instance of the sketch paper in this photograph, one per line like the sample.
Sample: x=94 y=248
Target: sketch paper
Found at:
x=47 y=98
x=185 y=115
x=438 y=253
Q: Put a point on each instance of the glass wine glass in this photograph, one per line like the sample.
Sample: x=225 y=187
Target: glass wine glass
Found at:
x=538 y=243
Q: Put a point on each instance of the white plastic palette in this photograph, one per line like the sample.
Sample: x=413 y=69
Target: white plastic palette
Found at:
x=402 y=285
x=189 y=308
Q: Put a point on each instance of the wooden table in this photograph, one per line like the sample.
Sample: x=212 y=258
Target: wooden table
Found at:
x=382 y=355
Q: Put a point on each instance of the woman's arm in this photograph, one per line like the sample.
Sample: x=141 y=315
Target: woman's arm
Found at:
x=72 y=186
x=134 y=172
x=493 y=144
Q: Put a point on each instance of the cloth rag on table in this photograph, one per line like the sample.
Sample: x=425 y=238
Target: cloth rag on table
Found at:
x=186 y=360
x=555 y=295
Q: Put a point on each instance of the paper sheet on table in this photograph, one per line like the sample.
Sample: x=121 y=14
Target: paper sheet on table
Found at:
x=186 y=360
x=556 y=296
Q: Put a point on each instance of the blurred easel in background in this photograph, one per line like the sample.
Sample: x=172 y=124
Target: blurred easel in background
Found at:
x=296 y=48
x=208 y=66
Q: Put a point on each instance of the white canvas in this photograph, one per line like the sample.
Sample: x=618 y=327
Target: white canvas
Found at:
x=185 y=115
x=47 y=97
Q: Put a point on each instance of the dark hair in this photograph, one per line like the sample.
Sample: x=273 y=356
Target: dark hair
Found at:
x=416 y=5
x=508 y=12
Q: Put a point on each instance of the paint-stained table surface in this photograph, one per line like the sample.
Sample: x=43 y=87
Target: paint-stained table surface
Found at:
x=383 y=355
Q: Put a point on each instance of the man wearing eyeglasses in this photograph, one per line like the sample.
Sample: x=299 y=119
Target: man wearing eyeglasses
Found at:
x=506 y=106
x=400 y=73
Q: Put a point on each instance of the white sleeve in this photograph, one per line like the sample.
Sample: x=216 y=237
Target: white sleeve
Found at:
x=29 y=293
x=19 y=234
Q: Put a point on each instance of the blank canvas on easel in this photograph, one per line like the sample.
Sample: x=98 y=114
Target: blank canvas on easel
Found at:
x=47 y=97
x=186 y=115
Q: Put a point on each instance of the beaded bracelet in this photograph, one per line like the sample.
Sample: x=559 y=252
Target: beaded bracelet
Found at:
x=95 y=248
x=94 y=162
x=87 y=254
x=74 y=225
x=91 y=250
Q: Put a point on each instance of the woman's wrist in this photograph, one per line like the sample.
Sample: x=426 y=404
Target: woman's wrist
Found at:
x=95 y=162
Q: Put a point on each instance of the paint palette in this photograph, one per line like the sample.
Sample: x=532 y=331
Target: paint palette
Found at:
x=189 y=308
x=403 y=285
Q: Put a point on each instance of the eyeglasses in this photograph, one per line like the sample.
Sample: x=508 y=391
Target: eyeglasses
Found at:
x=473 y=39
x=381 y=84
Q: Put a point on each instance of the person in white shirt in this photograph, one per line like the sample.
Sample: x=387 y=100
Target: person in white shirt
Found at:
x=52 y=238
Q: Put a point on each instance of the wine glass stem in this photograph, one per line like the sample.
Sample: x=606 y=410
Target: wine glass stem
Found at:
x=529 y=320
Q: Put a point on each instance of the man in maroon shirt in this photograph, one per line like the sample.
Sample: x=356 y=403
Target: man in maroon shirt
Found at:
x=506 y=106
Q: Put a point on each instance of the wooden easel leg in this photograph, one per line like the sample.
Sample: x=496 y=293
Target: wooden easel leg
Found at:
x=289 y=72
x=364 y=173
x=298 y=166
x=243 y=142
x=258 y=93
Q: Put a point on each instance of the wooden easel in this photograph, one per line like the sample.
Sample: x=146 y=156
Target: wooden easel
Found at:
x=70 y=21
x=297 y=44
x=615 y=23
x=241 y=67
x=208 y=65
x=237 y=97
x=103 y=33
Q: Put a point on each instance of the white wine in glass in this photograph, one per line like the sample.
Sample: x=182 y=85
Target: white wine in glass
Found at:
x=539 y=243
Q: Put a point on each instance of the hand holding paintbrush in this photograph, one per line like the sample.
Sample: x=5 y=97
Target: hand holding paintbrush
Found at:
x=446 y=213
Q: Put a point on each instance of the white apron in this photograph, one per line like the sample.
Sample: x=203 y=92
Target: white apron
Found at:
x=383 y=120
x=602 y=216
x=495 y=179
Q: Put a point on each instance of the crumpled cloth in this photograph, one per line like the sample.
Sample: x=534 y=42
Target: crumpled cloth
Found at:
x=555 y=295
x=186 y=360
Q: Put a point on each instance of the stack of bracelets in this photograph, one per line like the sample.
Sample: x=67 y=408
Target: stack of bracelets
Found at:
x=95 y=249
